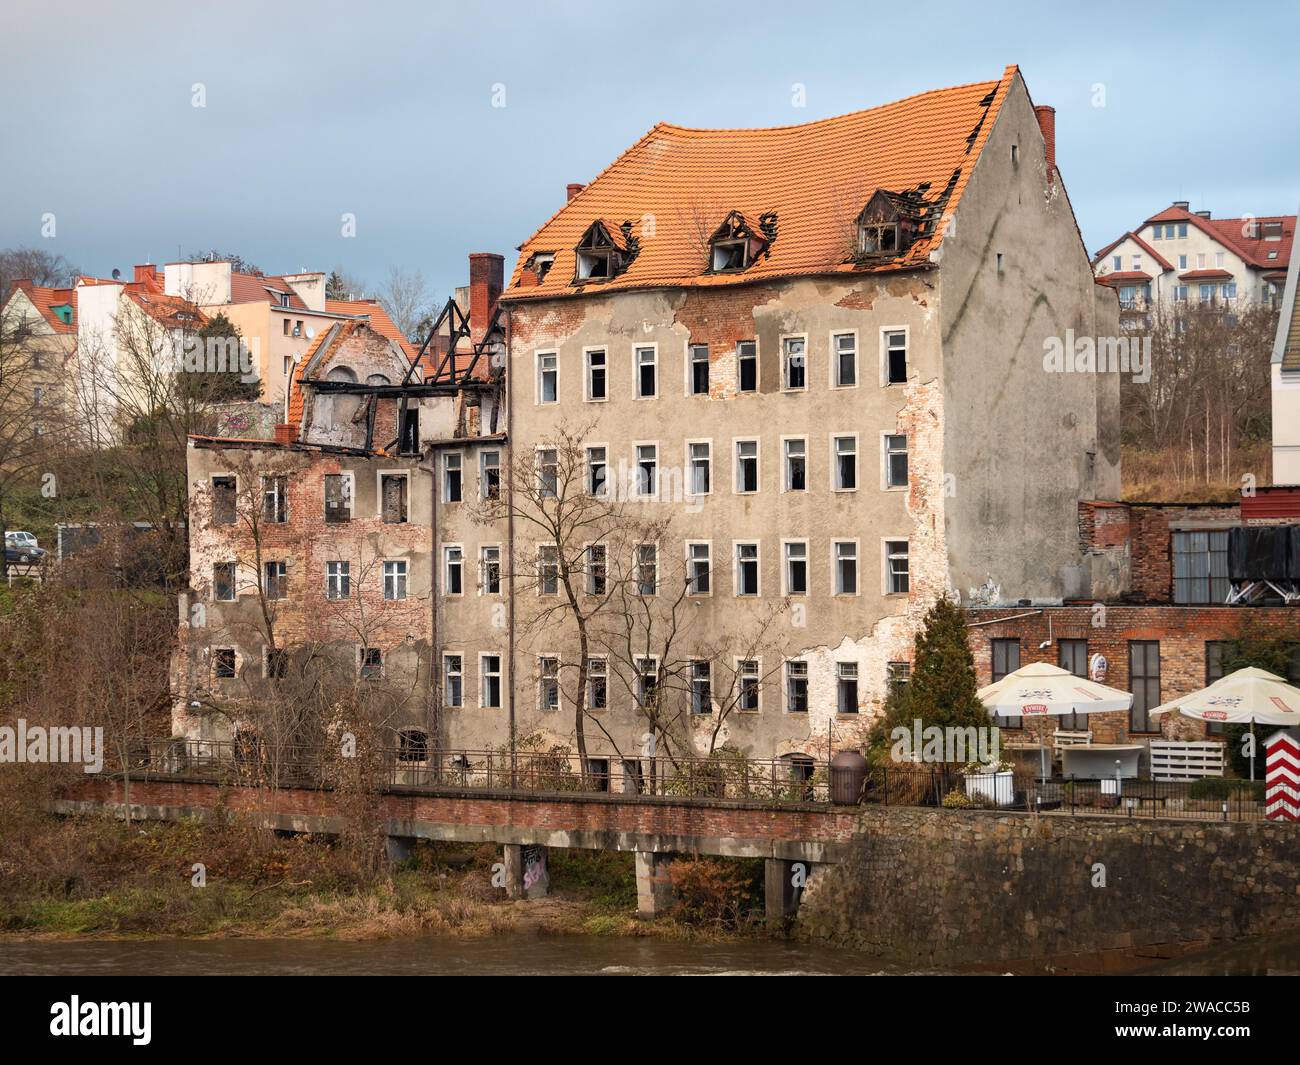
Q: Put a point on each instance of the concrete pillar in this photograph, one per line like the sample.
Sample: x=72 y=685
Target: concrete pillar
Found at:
x=526 y=872
x=398 y=848
x=783 y=884
x=654 y=891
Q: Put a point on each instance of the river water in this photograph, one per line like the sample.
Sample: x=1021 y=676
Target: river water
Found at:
x=516 y=954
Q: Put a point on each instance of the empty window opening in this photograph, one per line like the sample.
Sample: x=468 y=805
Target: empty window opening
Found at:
x=338 y=498
x=275 y=500
x=747 y=366
x=393 y=489
x=223 y=501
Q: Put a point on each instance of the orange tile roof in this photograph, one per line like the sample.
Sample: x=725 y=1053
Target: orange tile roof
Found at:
x=252 y=288
x=1232 y=233
x=677 y=185
x=46 y=299
x=1165 y=264
x=374 y=312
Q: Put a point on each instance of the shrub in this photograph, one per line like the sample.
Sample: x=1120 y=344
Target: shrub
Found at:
x=709 y=892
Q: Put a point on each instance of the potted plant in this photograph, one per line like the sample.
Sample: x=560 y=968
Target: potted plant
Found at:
x=993 y=782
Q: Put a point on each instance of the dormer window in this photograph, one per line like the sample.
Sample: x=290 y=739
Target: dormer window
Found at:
x=600 y=255
x=878 y=239
x=1272 y=230
x=736 y=243
x=888 y=224
x=542 y=263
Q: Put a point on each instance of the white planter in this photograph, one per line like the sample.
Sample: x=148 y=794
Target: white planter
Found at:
x=996 y=788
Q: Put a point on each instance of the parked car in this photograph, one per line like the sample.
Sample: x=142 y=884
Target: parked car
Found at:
x=22 y=548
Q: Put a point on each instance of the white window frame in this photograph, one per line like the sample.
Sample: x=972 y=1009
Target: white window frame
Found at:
x=447 y=549
x=785 y=568
x=885 y=332
x=587 y=352
x=807 y=363
x=636 y=566
x=885 y=486
x=835 y=358
x=857 y=568
x=735 y=568
x=538 y=356
x=653 y=348
x=637 y=445
x=587 y=449
x=482 y=472
x=482 y=570
x=785 y=465
x=405 y=575
x=445 y=469
x=538 y=467
x=691 y=663
x=541 y=592
x=446 y=673
x=587 y=581
x=689 y=486
x=835 y=462
x=542 y=677
x=758 y=369
x=483 y=676
x=689 y=366
x=736 y=441
x=591 y=675
x=333 y=579
x=737 y=670
x=690 y=573
x=885 y=541
x=785 y=685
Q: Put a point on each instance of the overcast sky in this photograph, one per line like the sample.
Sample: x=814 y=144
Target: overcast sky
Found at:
x=384 y=110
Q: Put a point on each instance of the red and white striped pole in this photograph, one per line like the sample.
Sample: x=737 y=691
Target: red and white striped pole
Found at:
x=1282 y=789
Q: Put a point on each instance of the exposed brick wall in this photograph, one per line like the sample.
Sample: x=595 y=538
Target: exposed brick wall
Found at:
x=1181 y=631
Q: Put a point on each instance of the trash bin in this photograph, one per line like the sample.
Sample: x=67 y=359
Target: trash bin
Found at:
x=848 y=772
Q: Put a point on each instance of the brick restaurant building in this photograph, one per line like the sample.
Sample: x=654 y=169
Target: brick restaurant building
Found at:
x=1161 y=622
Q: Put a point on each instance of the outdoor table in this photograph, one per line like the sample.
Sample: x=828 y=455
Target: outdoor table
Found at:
x=1096 y=761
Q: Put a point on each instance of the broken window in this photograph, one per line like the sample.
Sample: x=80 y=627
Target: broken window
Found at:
x=372 y=663
x=700 y=453
x=796 y=567
x=275 y=580
x=453 y=680
x=701 y=687
x=598 y=258
x=338 y=497
x=1200 y=566
x=729 y=255
x=223 y=501
x=646 y=372
x=597 y=467
x=454 y=557
x=896 y=357
x=796 y=687
x=796 y=465
x=596 y=375
x=846 y=567
x=597 y=684
x=747 y=569
x=846 y=463
x=897 y=674
x=223 y=582
x=747 y=366
x=647 y=568
x=597 y=569
x=412 y=745
x=490 y=474
x=847 y=687
x=392 y=491
x=749 y=684
x=490 y=565
x=647 y=468
x=699 y=356
x=736 y=243
x=746 y=465
x=548 y=687
x=275 y=500
x=878 y=239
x=410 y=432
x=223 y=663
x=795 y=363
x=490 y=668
x=647 y=680
x=276 y=663
x=394 y=580
x=338 y=580
x=451 y=477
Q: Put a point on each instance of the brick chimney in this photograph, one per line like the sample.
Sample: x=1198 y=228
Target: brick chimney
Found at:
x=1047 y=123
x=573 y=189
x=486 y=280
x=286 y=433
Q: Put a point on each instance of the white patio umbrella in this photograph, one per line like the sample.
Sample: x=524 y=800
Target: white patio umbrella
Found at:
x=1246 y=696
x=1043 y=690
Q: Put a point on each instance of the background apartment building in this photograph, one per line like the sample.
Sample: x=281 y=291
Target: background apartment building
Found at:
x=1188 y=258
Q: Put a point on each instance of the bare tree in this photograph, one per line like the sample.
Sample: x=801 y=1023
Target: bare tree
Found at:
x=408 y=299
x=37 y=265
